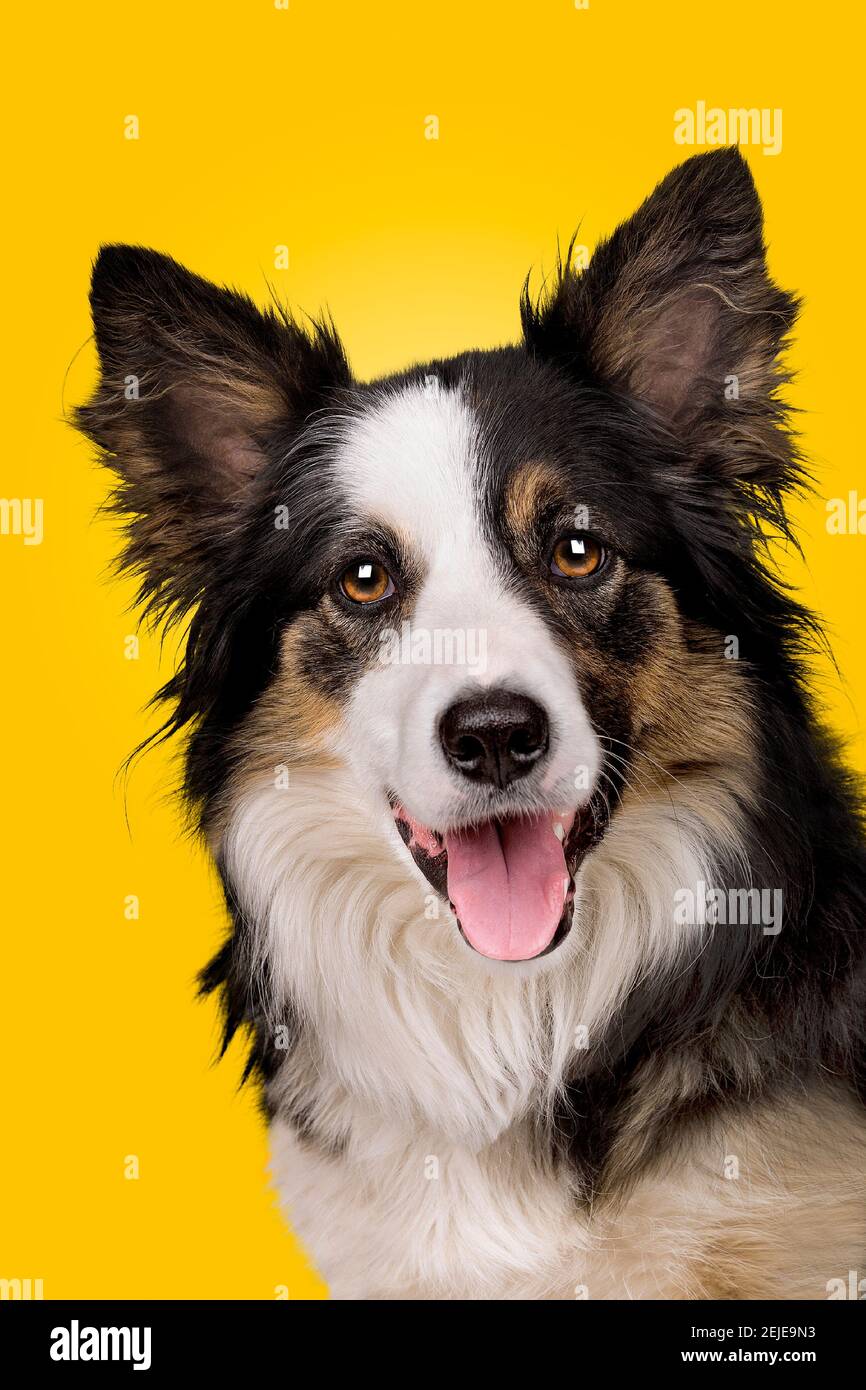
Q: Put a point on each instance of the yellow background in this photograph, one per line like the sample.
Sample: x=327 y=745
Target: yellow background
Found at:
x=257 y=127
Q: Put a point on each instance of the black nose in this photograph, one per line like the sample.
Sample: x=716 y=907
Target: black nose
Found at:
x=495 y=737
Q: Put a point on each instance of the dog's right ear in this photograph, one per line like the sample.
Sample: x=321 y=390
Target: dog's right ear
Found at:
x=677 y=310
x=198 y=388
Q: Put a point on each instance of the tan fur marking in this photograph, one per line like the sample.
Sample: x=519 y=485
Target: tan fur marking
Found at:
x=528 y=488
x=288 y=727
x=789 y=1217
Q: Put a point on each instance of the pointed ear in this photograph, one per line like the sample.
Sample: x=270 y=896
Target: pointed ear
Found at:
x=678 y=311
x=198 y=388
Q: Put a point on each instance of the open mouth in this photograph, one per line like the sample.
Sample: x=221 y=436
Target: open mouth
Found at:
x=509 y=881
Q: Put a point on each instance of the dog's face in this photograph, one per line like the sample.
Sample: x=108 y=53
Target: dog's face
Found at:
x=484 y=605
x=484 y=616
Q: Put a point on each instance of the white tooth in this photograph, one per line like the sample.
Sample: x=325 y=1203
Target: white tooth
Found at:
x=559 y=830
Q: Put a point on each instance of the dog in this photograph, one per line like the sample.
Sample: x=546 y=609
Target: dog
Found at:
x=546 y=882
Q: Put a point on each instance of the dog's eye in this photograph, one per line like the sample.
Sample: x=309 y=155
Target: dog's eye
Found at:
x=366 y=581
x=577 y=555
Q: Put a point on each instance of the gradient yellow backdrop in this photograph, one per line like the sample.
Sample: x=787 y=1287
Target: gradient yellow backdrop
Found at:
x=306 y=127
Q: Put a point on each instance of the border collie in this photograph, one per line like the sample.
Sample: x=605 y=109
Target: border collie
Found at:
x=547 y=885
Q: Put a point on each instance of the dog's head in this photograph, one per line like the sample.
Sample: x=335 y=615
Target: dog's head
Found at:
x=480 y=613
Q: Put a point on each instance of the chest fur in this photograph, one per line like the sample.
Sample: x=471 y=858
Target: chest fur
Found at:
x=760 y=1207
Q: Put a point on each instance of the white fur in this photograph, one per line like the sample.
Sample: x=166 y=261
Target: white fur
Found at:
x=412 y=1046
x=416 y=462
x=409 y=1017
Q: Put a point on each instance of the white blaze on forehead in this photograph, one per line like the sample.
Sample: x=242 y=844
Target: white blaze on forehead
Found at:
x=412 y=462
x=415 y=462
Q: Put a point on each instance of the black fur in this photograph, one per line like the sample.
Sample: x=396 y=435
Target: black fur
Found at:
x=683 y=484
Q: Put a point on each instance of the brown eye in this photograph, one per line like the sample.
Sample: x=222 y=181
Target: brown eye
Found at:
x=366 y=581
x=577 y=555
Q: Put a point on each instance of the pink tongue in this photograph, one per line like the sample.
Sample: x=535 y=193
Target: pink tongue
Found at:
x=508 y=883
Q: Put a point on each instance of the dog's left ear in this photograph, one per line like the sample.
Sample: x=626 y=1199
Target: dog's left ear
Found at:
x=677 y=309
x=199 y=392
